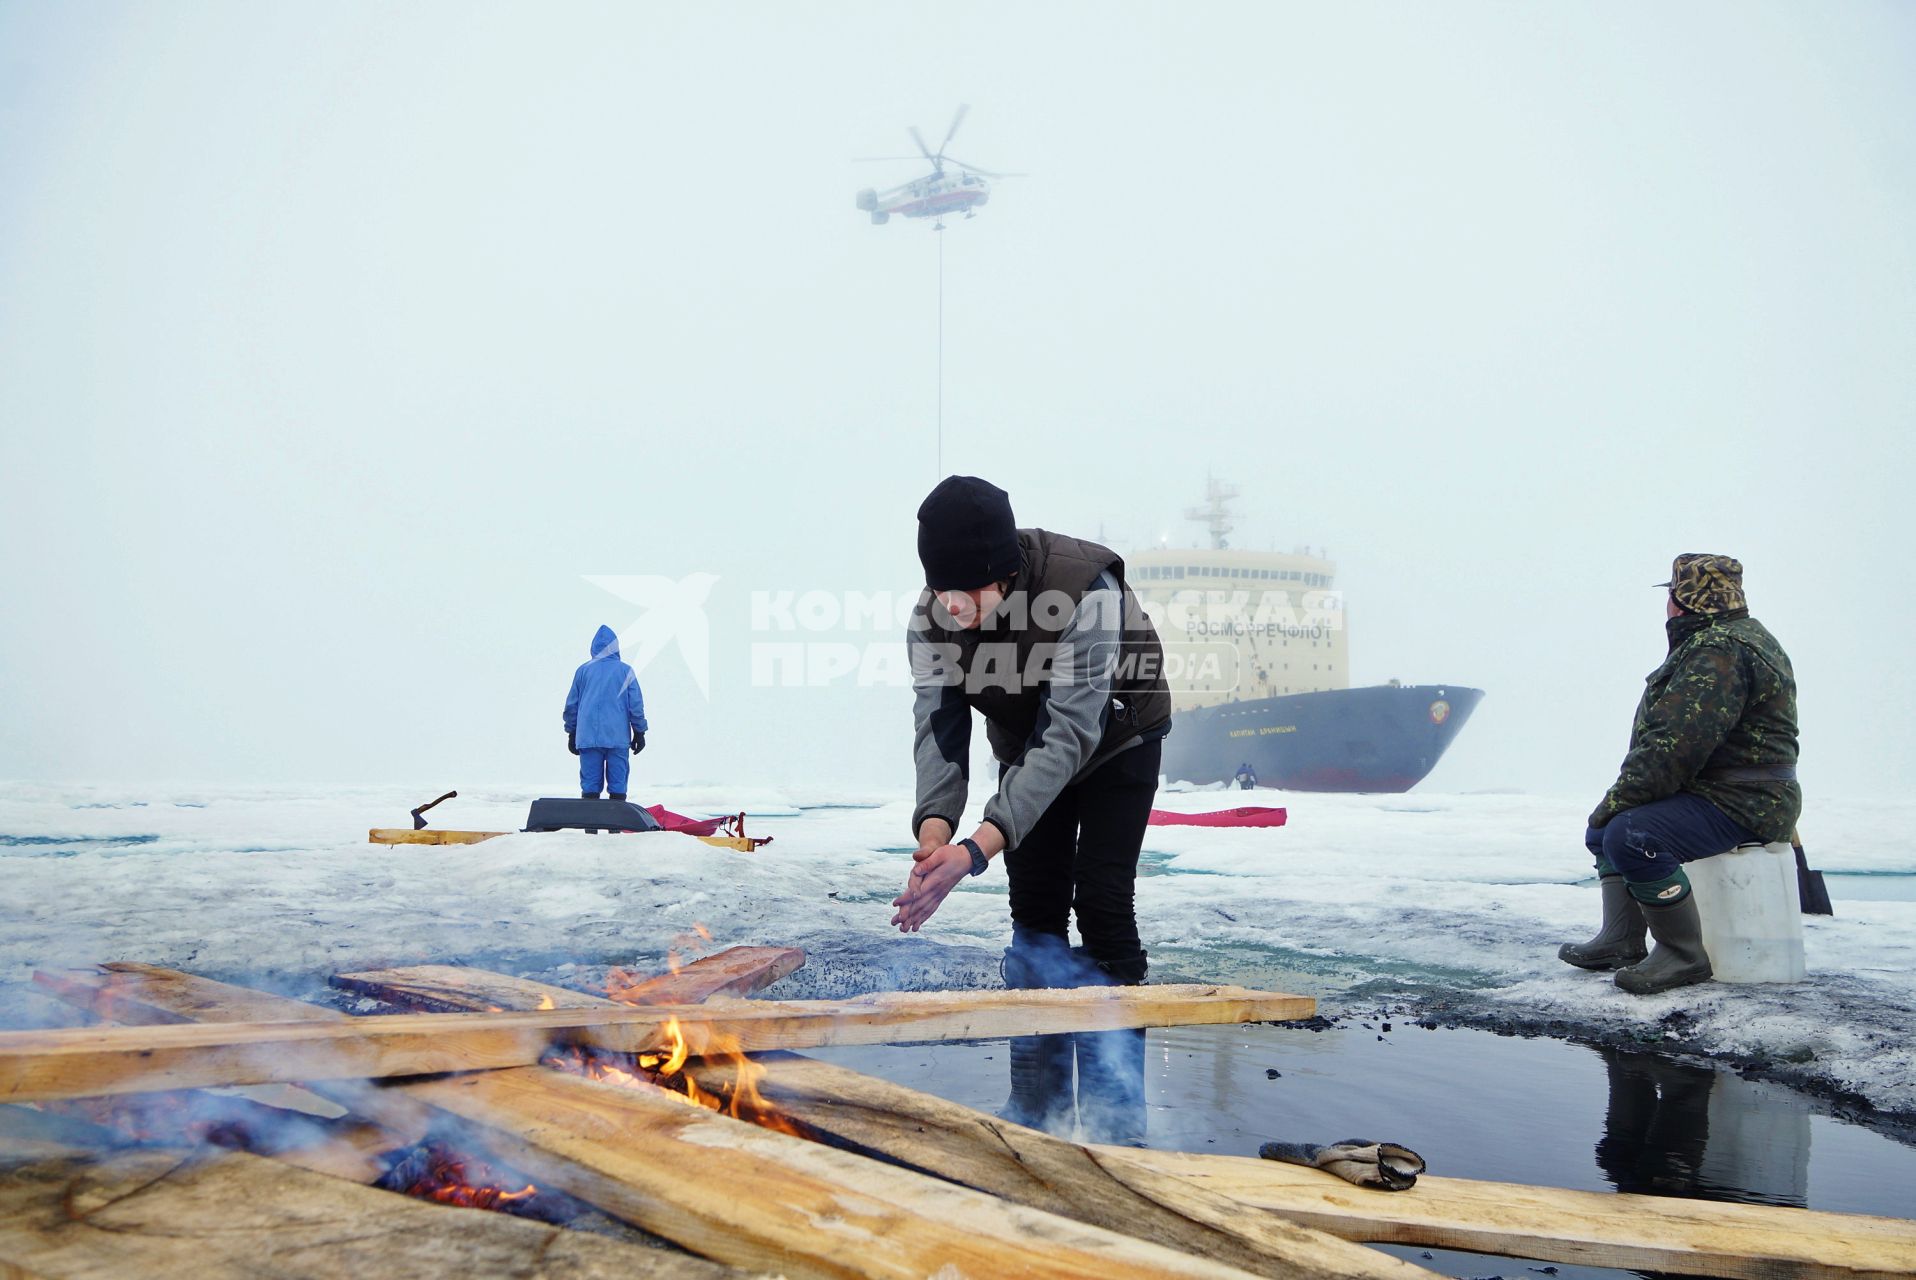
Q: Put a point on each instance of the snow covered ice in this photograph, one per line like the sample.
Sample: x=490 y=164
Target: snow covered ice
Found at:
x=1459 y=899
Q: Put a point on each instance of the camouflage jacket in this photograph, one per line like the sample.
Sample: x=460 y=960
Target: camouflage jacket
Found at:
x=1724 y=698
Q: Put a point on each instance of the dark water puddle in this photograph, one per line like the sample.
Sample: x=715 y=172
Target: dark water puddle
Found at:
x=1477 y=1105
x=74 y=843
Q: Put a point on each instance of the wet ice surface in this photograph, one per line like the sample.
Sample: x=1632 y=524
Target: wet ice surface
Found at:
x=1476 y=1105
x=1456 y=902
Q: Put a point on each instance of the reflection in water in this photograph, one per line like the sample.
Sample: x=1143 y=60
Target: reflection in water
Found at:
x=1678 y=1129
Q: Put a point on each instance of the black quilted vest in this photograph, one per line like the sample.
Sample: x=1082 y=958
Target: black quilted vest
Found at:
x=1001 y=652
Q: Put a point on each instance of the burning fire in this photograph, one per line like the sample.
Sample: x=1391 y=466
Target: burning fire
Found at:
x=666 y=1071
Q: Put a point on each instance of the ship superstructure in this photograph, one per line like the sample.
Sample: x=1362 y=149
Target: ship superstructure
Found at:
x=1257 y=654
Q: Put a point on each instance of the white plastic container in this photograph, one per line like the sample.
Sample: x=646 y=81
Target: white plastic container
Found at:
x=1752 y=923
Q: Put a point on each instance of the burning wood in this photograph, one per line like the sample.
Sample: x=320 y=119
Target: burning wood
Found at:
x=731 y=1077
x=434 y=1171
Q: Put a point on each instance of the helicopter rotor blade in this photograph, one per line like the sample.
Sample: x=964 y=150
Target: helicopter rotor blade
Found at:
x=983 y=173
x=920 y=140
x=882 y=159
x=952 y=132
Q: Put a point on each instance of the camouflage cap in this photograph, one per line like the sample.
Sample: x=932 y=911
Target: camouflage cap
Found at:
x=1703 y=583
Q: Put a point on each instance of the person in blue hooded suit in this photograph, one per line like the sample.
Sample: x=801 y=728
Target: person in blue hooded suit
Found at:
x=604 y=714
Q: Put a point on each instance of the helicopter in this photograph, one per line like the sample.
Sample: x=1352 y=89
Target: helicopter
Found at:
x=937 y=193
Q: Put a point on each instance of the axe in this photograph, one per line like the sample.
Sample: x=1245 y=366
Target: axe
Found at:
x=419 y=822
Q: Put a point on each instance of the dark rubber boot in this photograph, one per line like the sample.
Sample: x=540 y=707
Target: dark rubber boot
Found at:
x=1679 y=958
x=1619 y=941
x=616 y=795
x=1040 y=1083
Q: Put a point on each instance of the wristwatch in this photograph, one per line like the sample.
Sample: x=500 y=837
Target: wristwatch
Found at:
x=978 y=859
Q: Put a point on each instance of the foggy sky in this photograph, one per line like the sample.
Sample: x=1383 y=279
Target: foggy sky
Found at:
x=339 y=344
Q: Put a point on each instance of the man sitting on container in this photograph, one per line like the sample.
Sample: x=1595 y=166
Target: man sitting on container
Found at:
x=1711 y=765
x=604 y=714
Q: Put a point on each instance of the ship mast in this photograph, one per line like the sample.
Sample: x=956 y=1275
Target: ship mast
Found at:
x=1215 y=514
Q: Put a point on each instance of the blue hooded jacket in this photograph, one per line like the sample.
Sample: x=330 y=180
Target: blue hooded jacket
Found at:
x=605 y=704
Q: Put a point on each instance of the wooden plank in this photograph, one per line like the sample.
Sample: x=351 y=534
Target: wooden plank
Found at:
x=735 y=971
x=429 y=835
x=677 y=1169
x=917 y=1131
x=855 y=1112
x=165 y=1215
x=439 y=988
x=1151 y=1193
x=451 y=988
x=146 y=995
x=755 y=1198
x=740 y=844
x=82 y=1061
x=1595 y=1228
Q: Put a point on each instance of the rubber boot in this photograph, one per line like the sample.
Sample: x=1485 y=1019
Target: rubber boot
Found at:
x=616 y=795
x=1619 y=941
x=1679 y=958
x=1041 y=1087
x=1111 y=1065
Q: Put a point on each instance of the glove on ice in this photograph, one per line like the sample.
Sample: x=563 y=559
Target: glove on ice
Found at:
x=1363 y=1162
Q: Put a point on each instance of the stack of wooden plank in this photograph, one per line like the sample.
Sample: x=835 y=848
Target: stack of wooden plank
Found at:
x=857 y=1178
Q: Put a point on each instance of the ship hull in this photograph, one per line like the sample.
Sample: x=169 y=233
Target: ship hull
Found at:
x=1382 y=738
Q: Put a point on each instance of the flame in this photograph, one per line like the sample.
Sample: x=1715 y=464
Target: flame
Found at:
x=545 y=1002
x=666 y=1071
x=666 y=1067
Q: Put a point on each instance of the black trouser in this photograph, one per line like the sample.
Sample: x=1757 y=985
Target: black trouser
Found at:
x=1082 y=857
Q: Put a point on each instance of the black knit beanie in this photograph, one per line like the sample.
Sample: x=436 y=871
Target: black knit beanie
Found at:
x=966 y=536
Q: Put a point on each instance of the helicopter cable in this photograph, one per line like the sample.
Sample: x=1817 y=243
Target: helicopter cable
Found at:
x=941 y=356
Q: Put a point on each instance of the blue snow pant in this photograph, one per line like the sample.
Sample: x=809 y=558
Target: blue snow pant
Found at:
x=1651 y=842
x=604 y=769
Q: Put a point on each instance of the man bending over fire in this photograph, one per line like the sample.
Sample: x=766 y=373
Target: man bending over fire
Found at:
x=1038 y=632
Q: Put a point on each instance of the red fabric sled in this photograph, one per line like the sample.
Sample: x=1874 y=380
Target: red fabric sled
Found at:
x=1249 y=816
x=732 y=825
x=679 y=822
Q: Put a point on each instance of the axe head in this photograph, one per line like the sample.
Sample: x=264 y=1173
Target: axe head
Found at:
x=418 y=823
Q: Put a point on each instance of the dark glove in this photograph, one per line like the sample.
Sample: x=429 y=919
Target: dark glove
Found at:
x=638 y=741
x=572 y=742
x=1361 y=1161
